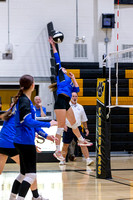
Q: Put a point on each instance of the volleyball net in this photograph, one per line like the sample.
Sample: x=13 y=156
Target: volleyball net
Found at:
x=119 y=67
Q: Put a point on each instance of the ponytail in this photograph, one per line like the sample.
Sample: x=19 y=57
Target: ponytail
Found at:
x=53 y=87
x=5 y=116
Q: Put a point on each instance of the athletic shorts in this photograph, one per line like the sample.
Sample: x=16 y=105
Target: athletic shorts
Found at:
x=8 y=151
x=27 y=155
x=62 y=102
x=69 y=135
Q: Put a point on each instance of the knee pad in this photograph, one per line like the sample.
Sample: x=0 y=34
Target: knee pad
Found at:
x=60 y=131
x=20 y=178
x=30 y=177
x=74 y=126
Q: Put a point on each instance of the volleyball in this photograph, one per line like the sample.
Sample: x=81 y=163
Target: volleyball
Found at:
x=58 y=37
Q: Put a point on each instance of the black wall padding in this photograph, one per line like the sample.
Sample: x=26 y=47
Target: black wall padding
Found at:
x=125 y=66
x=121 y=73
x=80 y=65
x=123 y=1
x=122 y=146
x=92 y=83
x=119 y=119
x=90 y=110
x=122 y=92
x=89 y=92
x=92 y=128
x=121 y=137
x=91 y=136
x=120 y=111
x=119 y=128
x=91 y=119
x=93 y=73
x=122 y=83
x=97 y=73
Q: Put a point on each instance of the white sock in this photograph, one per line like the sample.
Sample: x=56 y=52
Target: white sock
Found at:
x=20 y=198
x=57 y=147
x=12 y=196
x=87 y=159
x=81 y=138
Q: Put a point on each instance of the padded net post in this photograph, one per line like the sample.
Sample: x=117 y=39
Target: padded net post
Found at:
x=103 y=137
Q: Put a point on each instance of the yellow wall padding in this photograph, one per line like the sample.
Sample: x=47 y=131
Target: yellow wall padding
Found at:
x=130 y=83
x=87 y=101
x=130 y=119
x=80 y=82
x=76 y=72
x=122 y=100
x=80 y=93
x=7 y=94
x=128 y=73
x=130 y=128
x=130 y=111
x=5 y=106
x=131 y=92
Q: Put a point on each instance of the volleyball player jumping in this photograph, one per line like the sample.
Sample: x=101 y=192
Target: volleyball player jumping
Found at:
x=66 y=84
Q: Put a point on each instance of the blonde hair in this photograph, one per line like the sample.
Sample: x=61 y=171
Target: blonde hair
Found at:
x=53 y=87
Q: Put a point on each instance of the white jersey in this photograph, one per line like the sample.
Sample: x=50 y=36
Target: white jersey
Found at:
x=79 y=113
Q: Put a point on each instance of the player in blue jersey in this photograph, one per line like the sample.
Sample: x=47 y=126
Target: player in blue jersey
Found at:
x=7 y=148
x=26 y=124
x=66 y=84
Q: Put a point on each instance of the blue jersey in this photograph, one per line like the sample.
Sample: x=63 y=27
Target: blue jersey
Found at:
x=7 y=133
x=38 y=111
x=64 y=82
x=25 y=122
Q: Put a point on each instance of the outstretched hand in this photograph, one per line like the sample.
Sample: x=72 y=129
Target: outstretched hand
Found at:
x=71 y=75
x=51 y=40
x=53 y=123
x=52 y=138
x=38 y=149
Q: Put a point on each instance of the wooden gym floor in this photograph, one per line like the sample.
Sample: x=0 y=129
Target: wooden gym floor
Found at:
x=75 y=181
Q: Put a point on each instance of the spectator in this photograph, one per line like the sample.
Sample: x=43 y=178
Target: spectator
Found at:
x=40 y=110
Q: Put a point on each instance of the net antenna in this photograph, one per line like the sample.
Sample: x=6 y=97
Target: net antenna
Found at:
x=113 y=59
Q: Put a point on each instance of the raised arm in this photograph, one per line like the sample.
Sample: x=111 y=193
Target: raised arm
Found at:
x=52 y=44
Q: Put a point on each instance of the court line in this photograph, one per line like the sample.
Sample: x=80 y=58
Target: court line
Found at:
x=82 y=171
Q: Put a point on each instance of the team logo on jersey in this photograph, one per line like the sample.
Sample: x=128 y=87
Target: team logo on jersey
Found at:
x=72 y=84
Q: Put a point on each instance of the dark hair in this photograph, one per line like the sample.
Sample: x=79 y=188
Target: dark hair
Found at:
x=25 y=82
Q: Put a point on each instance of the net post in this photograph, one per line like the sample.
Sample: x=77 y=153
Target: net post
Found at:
x=103 y=133
x=104 y=65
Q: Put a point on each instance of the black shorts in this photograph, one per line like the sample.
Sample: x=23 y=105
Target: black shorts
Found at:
x=62 y=102
x=27 y=154
x=69 y=135
x=9 y=151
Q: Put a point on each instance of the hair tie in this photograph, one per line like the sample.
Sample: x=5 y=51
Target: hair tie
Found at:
x=22 y=88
